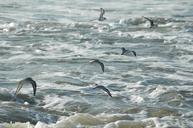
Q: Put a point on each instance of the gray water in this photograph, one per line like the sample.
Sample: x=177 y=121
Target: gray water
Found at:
x=53 y=41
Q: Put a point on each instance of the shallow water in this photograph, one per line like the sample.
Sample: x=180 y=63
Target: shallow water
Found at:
x=53 y=41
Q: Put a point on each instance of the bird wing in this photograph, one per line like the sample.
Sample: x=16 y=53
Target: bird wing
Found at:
x=150 y=20
x=19 y=86
x=102 y=13
x=34 y=85
x=123 y=51
x=27 y=80
x=100 y=63
x=104 y=89
x=102 y=66
x=134 y=53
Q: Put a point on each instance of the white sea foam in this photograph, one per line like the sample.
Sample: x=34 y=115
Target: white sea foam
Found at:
x=57 y=103
x=157 y=91
x=112 y=122
x=146 y=35
x=8 y=27
x=136 y=99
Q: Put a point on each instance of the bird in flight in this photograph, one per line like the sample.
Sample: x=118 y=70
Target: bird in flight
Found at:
x=124 y=52
x=101 y=17
x=152 y=24
x=99 y=62
x=28 y=80
x=104 y=89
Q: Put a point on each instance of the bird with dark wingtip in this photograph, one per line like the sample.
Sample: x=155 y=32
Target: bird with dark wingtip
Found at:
x=26 y=81
x=125 y=51
x=101 y=17
x=103 y=88
x=99 y=62
x=152 y=24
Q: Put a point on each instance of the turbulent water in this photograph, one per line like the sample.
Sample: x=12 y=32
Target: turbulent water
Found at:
x=53 y=41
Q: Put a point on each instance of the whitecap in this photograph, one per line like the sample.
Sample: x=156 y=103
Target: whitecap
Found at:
x=8 y=27
x=157 y=91
x=136 y=99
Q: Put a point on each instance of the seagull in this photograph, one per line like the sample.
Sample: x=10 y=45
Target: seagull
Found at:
x=99 y=62
x=152 y=24
x=124 y=51
x=25 y=81
x=101 y=18
x=104 y=89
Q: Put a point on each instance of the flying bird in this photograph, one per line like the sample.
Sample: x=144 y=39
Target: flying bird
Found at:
x=26 y=81
x=99 y=62
x=101 y=18
x=104 y=89
x=124 y=52
x=152 y=24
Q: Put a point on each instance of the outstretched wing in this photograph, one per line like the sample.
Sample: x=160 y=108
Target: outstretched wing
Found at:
x=102 y=12
x=134 y=53
x=150 y=20
x=123 y=51
x=27 y=80
x=104 y=89
x=19 y=86
x=102 y=66
x=100 y=63
x=34 y=85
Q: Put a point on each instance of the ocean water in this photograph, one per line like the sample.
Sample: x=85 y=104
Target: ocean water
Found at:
x=53 y=41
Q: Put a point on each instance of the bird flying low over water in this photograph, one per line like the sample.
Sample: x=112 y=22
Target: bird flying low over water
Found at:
x=124 y=52
x=101 y=18
x=104 y=89
x=26 y=81
x=152 y=24
x=99 y=62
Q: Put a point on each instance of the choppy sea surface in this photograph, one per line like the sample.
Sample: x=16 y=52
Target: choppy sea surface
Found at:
x=53 y=41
